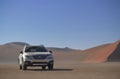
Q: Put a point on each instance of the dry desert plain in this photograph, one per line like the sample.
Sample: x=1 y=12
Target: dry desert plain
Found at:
x=63 y=71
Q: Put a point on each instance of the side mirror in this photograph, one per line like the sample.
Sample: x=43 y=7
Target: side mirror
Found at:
x=21 y=52
x=50 y=51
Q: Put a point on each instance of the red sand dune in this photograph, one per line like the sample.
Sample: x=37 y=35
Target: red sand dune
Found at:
x=100 y=53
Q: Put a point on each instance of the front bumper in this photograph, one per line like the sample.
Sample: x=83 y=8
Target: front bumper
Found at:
x=38 y=62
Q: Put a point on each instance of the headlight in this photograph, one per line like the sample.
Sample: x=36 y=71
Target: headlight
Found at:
x=49 y=57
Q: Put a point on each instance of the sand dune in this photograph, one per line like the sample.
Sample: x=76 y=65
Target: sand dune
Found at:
x=102 y=53
x=9 y=52
x=115 y=56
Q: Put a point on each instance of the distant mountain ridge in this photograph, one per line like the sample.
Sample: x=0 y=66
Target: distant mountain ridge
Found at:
x=67 y=49
x=102 y=53
x=10 y=51
x=18 y=43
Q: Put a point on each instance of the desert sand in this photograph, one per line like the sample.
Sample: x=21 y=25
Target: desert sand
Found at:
x=63 y=71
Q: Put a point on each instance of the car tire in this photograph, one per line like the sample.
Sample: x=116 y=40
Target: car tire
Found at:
x=20 y=67
x=24 y=67
x=50 y=66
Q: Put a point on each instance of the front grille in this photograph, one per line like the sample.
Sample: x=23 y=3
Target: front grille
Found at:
x=39 y=62
x=40 y=56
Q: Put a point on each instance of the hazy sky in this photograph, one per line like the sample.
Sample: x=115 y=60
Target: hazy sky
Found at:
x=60 y=23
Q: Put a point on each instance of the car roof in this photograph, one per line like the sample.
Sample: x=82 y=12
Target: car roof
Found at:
x=35 y=46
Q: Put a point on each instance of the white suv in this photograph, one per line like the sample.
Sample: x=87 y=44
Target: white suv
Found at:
x=35 y=56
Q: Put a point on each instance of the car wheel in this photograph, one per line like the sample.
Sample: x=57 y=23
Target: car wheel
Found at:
x=50 y=66
x=24 y=67
x=20 y=67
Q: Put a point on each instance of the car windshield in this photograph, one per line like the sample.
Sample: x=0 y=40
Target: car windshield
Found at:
x=36 y=49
